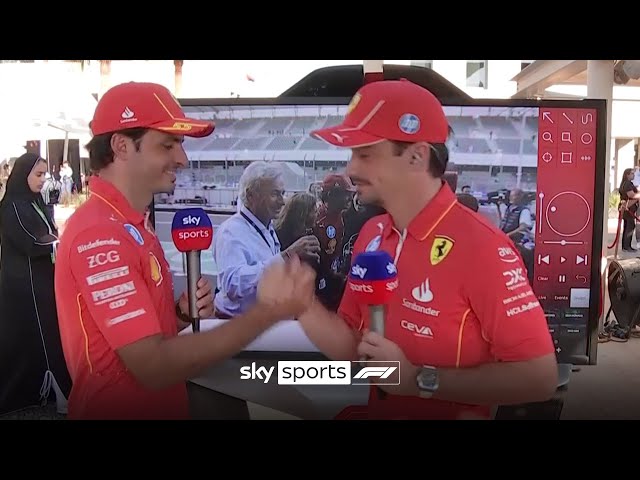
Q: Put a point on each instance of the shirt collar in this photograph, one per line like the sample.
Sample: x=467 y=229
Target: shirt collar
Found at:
x=110 y=195
x=429 y=217
x=255 y=219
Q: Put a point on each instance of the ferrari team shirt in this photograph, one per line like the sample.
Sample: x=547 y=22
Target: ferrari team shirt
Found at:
x=463 y=300
x=113 y=288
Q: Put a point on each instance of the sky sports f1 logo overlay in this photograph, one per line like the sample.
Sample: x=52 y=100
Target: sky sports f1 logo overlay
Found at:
x=311 y=372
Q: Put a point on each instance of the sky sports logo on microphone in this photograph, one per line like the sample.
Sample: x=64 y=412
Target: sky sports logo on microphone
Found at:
x=191 y=229
x=373 y=277
x=312 y=372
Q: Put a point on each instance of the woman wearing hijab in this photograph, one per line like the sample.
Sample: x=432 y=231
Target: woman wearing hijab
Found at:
x=32 y=364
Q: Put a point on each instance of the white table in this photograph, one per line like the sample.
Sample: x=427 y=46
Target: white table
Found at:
x=304 y=401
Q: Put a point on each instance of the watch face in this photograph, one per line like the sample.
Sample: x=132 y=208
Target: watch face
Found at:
x=428 y=378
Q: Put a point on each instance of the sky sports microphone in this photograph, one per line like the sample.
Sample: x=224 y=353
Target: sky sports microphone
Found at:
x=192 y=232
x=373 y=279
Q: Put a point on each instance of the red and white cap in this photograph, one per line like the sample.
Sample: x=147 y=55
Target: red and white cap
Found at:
x=338 y=182
x=144 y=105
x=389 y=110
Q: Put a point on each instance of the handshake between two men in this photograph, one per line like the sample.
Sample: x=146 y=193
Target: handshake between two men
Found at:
x=285 y=290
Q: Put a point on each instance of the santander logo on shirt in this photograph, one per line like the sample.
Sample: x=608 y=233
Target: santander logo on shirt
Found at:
x=422 y=295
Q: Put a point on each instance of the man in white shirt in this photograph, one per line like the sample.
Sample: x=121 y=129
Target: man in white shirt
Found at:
x=247 y=242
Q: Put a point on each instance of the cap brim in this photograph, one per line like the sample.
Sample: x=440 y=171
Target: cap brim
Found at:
x=188 y=127
x=346 y=137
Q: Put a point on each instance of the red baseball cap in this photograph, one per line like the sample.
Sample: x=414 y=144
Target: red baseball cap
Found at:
x=337 y=181
x=146 y=105
x=389 y=110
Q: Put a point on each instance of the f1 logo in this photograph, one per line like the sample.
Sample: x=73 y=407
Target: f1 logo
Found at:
x=376 y=373
x=380 y=372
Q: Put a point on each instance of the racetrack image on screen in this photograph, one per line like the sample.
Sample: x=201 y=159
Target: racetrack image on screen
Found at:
x=244 y=134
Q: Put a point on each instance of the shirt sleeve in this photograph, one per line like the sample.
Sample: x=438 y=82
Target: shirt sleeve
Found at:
x=509 y=313
x=107 y=271
x=19 y=223
x=525 y=218
x=238 y=270
x=627 y=187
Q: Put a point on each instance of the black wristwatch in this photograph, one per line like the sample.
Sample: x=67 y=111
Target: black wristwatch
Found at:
x=427 y=381
x=182 y=316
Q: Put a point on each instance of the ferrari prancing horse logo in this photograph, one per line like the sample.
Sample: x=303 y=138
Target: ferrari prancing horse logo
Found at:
x=440 y=248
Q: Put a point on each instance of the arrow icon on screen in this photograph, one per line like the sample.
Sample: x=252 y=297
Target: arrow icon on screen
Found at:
x=542 y=259
x=547 y=116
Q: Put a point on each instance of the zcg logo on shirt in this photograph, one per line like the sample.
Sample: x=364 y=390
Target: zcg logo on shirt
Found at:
x=100 y=259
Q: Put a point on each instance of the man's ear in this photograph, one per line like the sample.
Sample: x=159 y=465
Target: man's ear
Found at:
x=250 y=195
x=420 y=155
x=119 y=144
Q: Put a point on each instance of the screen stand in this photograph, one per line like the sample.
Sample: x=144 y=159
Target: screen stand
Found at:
x=207 y=404
x=549 y=410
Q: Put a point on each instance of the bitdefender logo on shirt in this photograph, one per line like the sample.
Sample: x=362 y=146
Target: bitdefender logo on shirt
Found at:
x=311 y=372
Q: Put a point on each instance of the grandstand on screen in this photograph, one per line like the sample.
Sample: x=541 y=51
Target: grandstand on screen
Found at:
x=491 y=147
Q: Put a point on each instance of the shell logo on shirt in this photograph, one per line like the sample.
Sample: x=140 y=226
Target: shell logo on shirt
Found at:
x=156 y=270
x=353 y=103
x=440 y=248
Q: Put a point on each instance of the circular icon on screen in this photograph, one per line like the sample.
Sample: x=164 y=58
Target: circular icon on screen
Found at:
x=568 y=214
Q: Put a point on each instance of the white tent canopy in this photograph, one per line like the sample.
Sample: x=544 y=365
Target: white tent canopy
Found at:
x=33 y=107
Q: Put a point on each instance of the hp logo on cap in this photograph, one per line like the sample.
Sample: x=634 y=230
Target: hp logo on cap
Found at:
x=409 y=123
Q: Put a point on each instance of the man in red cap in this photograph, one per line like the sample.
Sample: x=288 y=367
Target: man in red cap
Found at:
x=114 y=292
x=464 y=324
x=336 y=196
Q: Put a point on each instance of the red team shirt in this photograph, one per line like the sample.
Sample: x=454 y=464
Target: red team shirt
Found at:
x=113 y=288
x=329 y=229
x=463 y=299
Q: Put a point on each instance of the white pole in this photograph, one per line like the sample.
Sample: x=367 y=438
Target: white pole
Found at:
x=600 y=85
x=373 y=70
x=65 y=150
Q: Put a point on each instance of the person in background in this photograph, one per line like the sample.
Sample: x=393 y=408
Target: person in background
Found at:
x=4 y=175
x=629 y=198
x=468 y=201
x=296 y=219
x=516 y=221
x=336 y=198
x=246 y=243
x=51 y=193
x=465 y=189
x=66 y=177
x=32 y=364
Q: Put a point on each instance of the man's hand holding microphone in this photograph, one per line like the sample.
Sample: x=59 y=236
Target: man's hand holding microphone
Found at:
x=374 y=280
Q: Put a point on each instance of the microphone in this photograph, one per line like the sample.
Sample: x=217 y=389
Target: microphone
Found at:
x=373 y=279
x=192 y=232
